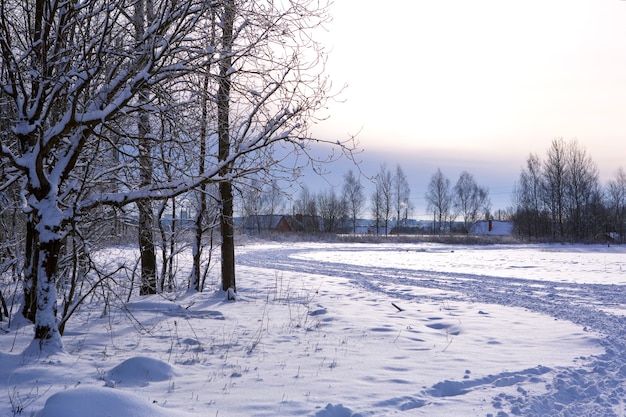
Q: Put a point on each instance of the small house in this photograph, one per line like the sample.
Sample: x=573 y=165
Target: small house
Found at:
x=492 y=228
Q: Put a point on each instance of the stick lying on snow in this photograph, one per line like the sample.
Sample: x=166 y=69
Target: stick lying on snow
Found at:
x=396 y=306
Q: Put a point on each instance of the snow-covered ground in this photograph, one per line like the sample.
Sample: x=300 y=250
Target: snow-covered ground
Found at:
x=334 y=330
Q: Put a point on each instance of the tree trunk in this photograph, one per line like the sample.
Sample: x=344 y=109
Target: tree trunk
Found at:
x=195 y=281
x=46 y=325
x=146 y=214
x=172 y=241
x=228 y=241
x=223 y=128
x=196 y=250
x=146 y=249
x=29 y=309
x=47 y=242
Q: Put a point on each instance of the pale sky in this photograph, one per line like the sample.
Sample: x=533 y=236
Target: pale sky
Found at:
x=478 y=85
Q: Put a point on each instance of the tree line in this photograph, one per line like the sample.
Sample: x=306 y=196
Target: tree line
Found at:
x=337 y=209
x=389 y=207
x=560 y=198
x=117 y=115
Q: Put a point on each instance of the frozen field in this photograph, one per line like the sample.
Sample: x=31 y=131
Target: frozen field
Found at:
x=334 y=330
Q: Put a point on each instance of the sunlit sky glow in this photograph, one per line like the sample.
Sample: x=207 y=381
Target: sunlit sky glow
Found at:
x=477 y=85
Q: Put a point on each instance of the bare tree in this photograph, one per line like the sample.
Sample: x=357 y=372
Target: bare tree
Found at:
x=270 y=84
x=470 y=199
x=616 y=202
x=261 y=200
x=11 y=236
x=353 y=192
x=555 y=181
x=582 y=192
x=382 y=199
x=377 y=209
x=333 y=210
x=224 y=147
x=306 y=211
x=530 y=213
x=401 y=196
x=439 y=197
x=202 y=206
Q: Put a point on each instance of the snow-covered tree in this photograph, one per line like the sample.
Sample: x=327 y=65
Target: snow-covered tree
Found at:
x=268 y=84
x=68 y=71
x=76 y=73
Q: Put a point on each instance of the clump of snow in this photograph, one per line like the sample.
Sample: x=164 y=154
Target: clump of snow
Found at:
x=139 y=371
x=102 y=402
x=336 y=411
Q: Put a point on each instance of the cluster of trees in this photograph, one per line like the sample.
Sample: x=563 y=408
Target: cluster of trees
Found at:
x=560 y=197
x=391 y=197
x=389 y=206
x=113 y=113
x=332 y=212
x=466 y=200
x=326 y=211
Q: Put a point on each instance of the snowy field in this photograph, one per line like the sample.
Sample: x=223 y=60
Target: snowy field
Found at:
x=345 y=330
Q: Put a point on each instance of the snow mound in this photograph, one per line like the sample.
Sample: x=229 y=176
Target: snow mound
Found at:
x=336 y=411
x=139 y=371
x=102 y=402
